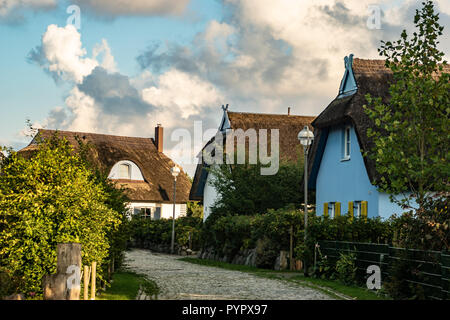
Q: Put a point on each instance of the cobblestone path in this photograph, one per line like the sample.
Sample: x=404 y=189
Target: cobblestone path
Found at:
x=179 y=280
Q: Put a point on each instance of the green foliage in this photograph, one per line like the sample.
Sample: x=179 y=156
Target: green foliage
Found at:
x=427 y=228
x=325 y=268
x=231 y=233
x=411 y=136
x=346 y=268
x=51 y=198
x=194 y=209
x=160 y=231
x=397 y=285
x=150 y=288
x=6 y=283
x=244 y=191
x=374 y=230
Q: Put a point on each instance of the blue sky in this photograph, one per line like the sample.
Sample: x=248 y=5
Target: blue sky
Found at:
x=29 y=93
x=176 y=62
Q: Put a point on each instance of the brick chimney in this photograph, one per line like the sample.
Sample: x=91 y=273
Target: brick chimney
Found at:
x=159 y=137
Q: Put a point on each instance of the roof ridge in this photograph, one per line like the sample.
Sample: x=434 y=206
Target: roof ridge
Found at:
x=271 y=114
x=93 y=133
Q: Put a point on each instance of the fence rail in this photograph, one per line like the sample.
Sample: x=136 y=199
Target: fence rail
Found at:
x=431 y=269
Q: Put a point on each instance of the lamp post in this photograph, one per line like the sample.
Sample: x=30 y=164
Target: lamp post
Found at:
x=175 y=171
x=306 y=138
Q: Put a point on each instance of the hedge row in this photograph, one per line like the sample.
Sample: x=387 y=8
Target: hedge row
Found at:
x=160 y=231
x=230 y=234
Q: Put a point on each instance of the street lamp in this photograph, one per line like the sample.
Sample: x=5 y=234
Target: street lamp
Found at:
x=306 y=138
x=175 y=171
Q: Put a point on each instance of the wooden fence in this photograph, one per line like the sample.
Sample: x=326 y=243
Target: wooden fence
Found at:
x=431 y=269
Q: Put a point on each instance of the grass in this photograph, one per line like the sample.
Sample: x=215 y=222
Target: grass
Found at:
x=330 y=287
x=125 y=286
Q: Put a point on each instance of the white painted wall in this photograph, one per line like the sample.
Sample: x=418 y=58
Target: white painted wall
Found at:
x=136 y=173
x=210 y=196
x=166 y=208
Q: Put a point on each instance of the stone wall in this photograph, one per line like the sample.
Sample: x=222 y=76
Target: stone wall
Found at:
x=163 y=248
x=247 y=257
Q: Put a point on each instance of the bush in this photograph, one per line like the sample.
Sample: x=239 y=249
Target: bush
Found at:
x=51 y=198
x=346 y=269
x=160 y=231
x=244 y=191
x=398 y=286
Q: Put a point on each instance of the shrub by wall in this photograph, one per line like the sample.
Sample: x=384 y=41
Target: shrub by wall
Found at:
x=145 y=232
x=230 y=234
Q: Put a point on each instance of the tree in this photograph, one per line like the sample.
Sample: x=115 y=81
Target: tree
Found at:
x=411 y=134
x=243 y=190
x=50 y=198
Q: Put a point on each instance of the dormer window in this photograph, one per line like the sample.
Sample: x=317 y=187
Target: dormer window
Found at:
x=346 y=143
x=124 y=171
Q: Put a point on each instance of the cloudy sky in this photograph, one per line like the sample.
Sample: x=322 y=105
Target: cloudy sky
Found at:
x=120 y=67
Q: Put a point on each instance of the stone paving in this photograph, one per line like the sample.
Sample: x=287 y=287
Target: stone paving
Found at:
x=179 y=280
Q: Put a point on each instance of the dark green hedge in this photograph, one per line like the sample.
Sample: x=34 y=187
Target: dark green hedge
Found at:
x=231 y=233
x=160 y=231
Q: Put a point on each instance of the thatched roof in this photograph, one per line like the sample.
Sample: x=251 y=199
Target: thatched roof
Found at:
x=288 y=126
x=107 y=150
x=371 y=77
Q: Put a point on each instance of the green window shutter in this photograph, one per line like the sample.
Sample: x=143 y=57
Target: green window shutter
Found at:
x=364 y=210
x=350 y=210
x=325 y=209
x=337 y=209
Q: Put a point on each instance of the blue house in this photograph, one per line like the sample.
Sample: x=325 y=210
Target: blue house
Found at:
x=342 y=177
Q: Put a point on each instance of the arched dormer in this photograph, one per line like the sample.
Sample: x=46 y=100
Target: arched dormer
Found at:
x=125 y=170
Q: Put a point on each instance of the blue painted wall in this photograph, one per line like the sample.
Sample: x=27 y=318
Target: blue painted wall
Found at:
x=344 y=180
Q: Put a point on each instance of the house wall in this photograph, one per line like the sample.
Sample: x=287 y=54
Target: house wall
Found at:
x=166 y=208
x=344 y=181
x=210 y=196
x=387 y=208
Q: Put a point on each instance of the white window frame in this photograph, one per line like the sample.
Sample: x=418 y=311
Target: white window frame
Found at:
x=357 y=208
x=346 y=143
x=331 y=209
x=120 y=171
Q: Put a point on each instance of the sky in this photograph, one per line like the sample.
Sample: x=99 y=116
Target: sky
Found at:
x=120 y=67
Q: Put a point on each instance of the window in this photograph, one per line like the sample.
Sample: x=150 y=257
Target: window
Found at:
x=157 y=213
x=146 y=213
x=357 y=208
x=331 y=209
x=124 y=171
x=346 y=144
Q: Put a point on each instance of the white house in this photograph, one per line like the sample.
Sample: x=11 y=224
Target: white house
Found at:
x=136 y=164
x=289 y=147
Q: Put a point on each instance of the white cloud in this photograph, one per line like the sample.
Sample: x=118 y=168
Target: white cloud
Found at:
x=135 y=7
x=267 y=55
x=108 y=61
x=10 y=6
x=185 y=92
x=61 y=53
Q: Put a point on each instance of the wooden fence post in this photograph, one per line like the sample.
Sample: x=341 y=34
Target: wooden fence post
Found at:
x=291 y=249
x=65 y=284
x=86 y=282
x=94 y=270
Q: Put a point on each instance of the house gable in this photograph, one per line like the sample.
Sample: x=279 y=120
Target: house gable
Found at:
x=342 y=179
x=348 y=83
x=107 y=150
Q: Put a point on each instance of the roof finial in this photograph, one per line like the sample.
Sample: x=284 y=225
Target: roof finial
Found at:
x=225 y=108
x=348 y=62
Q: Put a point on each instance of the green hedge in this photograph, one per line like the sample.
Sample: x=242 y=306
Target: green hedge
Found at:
x=160 y=231
x=231 y=233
